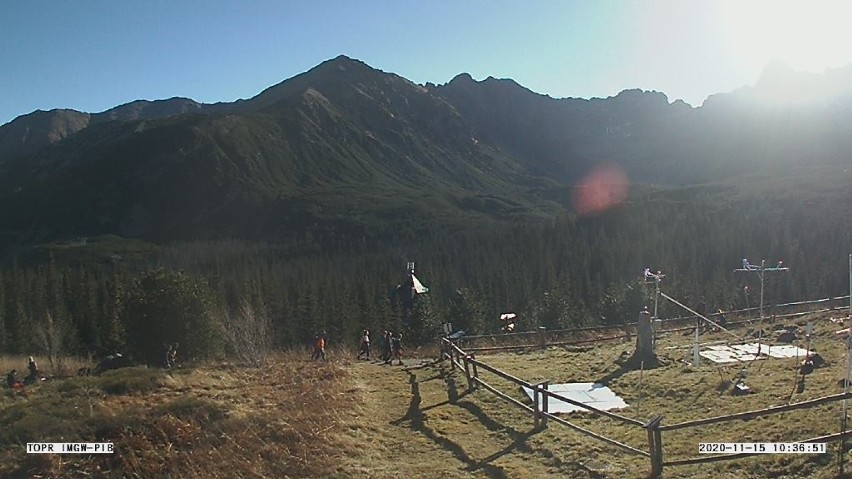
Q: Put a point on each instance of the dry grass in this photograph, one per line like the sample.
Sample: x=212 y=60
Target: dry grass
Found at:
x=64 y=367
x=345 y=418
x=679 y=392
x=218 y=421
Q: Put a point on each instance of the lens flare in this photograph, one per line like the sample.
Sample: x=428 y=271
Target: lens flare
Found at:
x=603 y=188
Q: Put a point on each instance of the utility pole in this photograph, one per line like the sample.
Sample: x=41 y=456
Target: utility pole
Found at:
x=761 y=270
x=842 y=453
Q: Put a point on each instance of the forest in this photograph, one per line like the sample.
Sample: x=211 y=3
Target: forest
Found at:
x=97 y=296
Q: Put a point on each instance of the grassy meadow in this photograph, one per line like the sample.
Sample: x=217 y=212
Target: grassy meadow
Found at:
x=212 y=421
x=346 y=418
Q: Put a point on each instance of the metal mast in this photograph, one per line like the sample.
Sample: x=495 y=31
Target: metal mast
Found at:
x=760 y=270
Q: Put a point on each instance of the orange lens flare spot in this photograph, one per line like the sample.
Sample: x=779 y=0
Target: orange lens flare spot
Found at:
x=603 y=188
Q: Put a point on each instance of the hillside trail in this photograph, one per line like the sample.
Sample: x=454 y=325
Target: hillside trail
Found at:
x=418 y=420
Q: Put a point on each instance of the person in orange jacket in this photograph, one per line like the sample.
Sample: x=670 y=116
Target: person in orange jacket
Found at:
x=319 y=347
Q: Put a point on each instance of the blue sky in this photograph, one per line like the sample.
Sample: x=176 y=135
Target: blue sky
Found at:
x=92 y=55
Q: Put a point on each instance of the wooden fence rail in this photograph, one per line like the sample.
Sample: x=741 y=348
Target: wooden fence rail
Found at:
x=537 y=345
x=593 y=409
x=466 y=361
x=670 y=320
x=506 y=376
x=758 y=412
x=728 y=457
x=597 y=436
x=470 y=365
x=503 y=396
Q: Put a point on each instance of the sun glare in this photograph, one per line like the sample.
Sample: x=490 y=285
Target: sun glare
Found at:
x=806 y=35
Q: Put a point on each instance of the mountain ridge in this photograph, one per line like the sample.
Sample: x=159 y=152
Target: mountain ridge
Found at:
x=346 y=147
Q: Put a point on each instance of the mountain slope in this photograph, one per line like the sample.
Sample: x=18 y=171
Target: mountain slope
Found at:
x=330 y=149
x=347 y=148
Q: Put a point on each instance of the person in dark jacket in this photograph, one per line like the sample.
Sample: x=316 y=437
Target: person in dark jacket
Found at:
x=396 y=348
x=15 y=385
x=385 y=345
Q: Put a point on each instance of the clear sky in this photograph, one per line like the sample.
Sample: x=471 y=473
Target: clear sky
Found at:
x=91 y=55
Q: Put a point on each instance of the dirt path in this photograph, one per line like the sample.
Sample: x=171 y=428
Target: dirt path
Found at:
x=418 y=421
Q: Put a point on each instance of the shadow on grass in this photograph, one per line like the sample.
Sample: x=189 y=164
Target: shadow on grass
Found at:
x=415 y=416
x=519 y=443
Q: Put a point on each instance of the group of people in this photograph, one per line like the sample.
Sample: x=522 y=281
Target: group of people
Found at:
x=390 y=347
x=13 y=381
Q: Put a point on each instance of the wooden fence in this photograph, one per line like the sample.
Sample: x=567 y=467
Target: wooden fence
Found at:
x=579 y=336
x=539 y=411
x=466 y=362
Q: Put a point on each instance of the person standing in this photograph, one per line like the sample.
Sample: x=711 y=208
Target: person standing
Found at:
x=35 y=374
x=396 y=348
x=365 y=345
x=386 y=347
x=173 y=355
x=319 y=347
x=167 y=357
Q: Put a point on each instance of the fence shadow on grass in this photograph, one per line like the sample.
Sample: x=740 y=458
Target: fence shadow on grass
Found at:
x=415 y=416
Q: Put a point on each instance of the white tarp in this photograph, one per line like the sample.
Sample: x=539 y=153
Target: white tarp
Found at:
x=593 y=394
x=786 y=351
x=726 y=354
x=749 y=352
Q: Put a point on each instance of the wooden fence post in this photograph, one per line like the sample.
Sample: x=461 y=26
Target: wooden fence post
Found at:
x=536 y=402
x=467 y=373
x=655 y=447
x=540 y=404
x=541 y=336
x=475 y=371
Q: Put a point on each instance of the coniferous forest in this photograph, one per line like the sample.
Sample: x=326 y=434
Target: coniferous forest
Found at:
x=233 y=228
x=111 y=294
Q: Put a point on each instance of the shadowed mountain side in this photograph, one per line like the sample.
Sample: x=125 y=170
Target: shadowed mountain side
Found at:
x=346 y=147
x=305 y=162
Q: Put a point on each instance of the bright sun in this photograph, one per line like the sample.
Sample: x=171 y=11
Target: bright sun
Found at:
x=806 y=35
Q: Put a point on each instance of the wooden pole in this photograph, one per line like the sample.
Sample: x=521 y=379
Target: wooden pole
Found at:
x=467 y=373
x=475 y=371
x=655 y=446
x=641 y=370
x=644 y=339
x=536 y=409
x=843 y=420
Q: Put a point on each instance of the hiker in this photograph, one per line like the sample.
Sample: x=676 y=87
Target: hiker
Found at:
x=35 y=374
x=15 y=384
x=386 y=343
x=167 y=357
x=721 y=319
x=396 y=349
x=365 y=345
x=173 y=355
x=319 y=347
